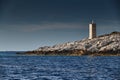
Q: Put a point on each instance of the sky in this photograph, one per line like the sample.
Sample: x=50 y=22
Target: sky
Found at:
x=30 y=24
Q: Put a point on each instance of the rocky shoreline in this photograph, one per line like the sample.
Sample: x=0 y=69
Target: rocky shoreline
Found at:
x=72 y=53
x=108 y=44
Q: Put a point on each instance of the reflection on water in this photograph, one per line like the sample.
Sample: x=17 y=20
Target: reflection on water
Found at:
x=59 y=68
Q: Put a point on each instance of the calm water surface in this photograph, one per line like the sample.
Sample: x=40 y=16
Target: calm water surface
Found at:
x=16 y=67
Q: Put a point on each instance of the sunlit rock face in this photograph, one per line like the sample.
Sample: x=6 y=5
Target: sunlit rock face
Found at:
x=105 y=42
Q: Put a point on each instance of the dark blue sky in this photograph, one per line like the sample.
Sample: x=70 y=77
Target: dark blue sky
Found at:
x=29 y=24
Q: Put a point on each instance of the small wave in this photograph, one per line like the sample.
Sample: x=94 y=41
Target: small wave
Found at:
x=10 y=66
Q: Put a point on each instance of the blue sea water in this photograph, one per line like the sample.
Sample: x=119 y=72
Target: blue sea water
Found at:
x=18 y=67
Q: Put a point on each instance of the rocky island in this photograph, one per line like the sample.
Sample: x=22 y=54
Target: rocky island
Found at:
x=108 y=44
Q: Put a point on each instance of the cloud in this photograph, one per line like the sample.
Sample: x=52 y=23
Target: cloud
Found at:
x=111 y=24
x=41 y=26
x=51 y=26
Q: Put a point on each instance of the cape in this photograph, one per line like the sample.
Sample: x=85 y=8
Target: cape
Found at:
x=108 y=44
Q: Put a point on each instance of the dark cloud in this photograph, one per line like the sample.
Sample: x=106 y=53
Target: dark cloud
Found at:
x=29 y=11
x=118 y=8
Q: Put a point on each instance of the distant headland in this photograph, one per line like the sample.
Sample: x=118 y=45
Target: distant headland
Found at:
x=108 y=44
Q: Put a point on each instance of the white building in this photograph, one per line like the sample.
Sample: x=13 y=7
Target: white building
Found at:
x=92 y=30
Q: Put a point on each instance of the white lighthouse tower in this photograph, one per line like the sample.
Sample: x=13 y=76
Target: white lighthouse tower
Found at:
x=92 y=30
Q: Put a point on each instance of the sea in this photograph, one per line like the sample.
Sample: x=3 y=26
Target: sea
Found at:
x=26 y=67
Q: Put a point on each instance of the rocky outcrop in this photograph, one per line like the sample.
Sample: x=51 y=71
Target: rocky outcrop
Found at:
x=108 y=43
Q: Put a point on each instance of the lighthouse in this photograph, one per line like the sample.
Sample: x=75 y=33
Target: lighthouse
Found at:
x=92 y=30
